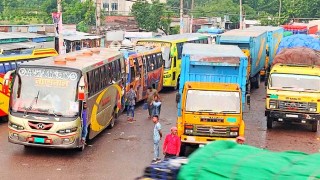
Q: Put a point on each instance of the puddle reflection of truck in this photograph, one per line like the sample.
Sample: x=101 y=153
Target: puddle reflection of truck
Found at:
x=211 y=94
x=293 y=91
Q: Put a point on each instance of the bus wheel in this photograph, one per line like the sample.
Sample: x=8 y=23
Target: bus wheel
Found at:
x=114 y=117
x=4 y=119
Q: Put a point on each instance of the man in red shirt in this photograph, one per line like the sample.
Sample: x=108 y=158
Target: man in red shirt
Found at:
x=171 y=145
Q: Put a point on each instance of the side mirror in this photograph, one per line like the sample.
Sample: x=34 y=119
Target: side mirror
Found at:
x=81 y=90
x=178 y=97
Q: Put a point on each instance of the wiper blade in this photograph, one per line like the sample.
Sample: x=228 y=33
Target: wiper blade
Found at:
x=35 y=100
x=288 y=87
x=231 y=111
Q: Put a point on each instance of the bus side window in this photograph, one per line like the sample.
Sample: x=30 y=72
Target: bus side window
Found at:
x=90 y=83
x=110 y=74
x=132 y=73
x=179 y=48
x=102 y=85
x=159 y=59
x=144 y=61
x=114 y=71
x=7 y=67
x=96 y=80
x=136 y=64
x=13 y=65
x=2 y=69
x=155 y=62
x=148 y=63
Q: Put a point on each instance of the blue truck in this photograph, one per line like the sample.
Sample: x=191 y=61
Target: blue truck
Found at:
x=275 y=35
x=253 y=44
x=212 y=94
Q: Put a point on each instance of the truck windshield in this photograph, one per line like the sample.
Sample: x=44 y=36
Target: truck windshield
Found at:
x=165 y=48
x=295 y=82
x=213 y=101
x=45 y=91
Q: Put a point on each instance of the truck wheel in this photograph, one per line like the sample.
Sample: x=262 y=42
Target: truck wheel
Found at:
x=269 y=122
x=258 y=81
x=4 y=119
x=183 y=149
x=315 y=126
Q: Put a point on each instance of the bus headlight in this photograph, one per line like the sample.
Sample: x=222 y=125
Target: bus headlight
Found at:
x=66 y=131
x=233 y=133
x=273 y=104
x=167 y=75
x=16 y=126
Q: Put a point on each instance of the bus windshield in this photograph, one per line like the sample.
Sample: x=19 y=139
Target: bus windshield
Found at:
x=45 y=91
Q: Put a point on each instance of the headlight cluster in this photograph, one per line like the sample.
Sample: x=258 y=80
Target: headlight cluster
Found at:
x=167 y=75
x=273 y=104
x=234 y=131
x=16 y=126
x=66 y=131
x=313 y=107
x=188 y=129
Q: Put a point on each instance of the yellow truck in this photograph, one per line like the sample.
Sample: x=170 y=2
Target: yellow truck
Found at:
x=211 y=95
x=293 y=91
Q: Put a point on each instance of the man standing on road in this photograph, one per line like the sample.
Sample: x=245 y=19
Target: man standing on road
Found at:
x=131 y=103
x=157 y=135
x=171 y=145
x=151 y=92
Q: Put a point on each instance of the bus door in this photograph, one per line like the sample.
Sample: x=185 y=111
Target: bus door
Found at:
x=138 y=78
x=175 y=71
x=145 y=72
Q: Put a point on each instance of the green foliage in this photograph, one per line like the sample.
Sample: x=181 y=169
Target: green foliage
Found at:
x=151 y=16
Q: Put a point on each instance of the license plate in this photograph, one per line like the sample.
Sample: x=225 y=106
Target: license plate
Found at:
x=190 y=138
x=292 y=115
x=39 y=140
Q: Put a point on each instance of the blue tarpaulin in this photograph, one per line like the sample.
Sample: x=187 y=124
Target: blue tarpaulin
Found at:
x=299 y=40
x=211 y=30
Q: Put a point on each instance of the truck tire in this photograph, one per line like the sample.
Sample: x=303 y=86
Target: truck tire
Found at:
x=258 y=81
x=114 y=118
x=314 y=126
x=269 y=122
x=183 y=149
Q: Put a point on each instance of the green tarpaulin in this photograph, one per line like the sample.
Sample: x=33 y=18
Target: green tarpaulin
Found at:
x=287 y=33
x=228 y=160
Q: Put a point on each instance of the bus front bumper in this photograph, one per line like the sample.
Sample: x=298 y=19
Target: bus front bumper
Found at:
x=46 y=140
x=202 y=139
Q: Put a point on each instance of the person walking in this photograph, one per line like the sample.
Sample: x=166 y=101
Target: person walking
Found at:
x=151 y=92
x=171 y=144
x=157 y=135
x=131 y=99
x=156 y=103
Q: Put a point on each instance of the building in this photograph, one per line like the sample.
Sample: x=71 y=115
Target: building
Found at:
x=121 y=7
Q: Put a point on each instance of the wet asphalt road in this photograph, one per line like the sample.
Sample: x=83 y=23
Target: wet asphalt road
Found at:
x=124 y=151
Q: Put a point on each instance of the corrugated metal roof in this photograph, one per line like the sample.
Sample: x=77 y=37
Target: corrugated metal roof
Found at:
x=211 y=50
x=243 y=33
x=177 y=37
x=265 y=28
x=79 y=37
x=13 y=35
x=26 y=45
x=81 y=62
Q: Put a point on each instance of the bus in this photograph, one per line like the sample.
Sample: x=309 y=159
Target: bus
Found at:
x=47 y=97
x=145 y=69
x=10 y=58
x=171 y=47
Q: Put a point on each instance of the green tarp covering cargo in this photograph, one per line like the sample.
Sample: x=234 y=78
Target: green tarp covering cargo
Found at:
x=228 y=160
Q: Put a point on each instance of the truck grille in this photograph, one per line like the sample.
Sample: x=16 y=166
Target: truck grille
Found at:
x=211 y=131
x=296 y=106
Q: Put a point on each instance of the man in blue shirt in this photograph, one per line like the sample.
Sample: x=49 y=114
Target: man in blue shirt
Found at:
x=157 y=135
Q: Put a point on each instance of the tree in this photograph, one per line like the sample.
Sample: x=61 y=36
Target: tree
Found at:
x=151 y=17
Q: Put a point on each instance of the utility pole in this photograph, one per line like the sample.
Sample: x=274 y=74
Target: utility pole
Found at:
x=240 y=22
x=181 y=16
x=59 y=7
x=191 y=21
x=98 y=16
x=280 y=6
